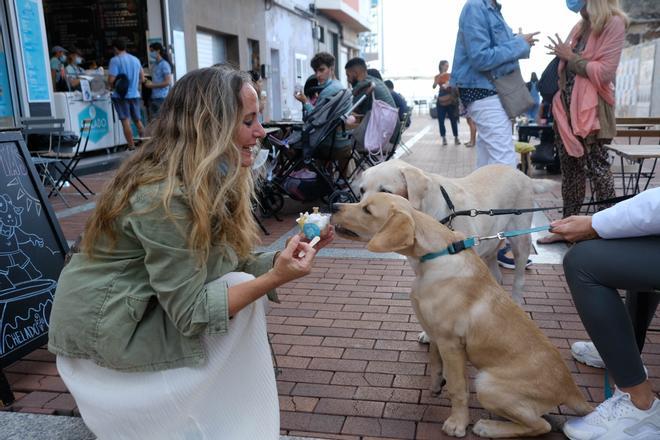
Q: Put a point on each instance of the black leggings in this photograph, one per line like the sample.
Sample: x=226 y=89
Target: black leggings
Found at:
x=594 y=270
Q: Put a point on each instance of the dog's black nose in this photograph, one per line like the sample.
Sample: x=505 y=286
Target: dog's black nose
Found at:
x=335 y=207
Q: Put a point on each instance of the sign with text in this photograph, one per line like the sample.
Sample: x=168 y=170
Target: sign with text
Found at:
x=35 y=61
x=32 y=251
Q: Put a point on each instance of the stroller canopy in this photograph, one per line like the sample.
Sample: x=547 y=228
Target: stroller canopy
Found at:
x=322 y=121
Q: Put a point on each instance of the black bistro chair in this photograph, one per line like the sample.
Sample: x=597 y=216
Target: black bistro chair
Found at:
x=43 y=138
x=69 y=162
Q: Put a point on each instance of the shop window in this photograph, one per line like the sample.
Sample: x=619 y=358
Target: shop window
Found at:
x=214 y=48
x=211 y=49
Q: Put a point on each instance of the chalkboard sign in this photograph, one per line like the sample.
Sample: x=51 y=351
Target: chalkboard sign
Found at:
x=32 y=251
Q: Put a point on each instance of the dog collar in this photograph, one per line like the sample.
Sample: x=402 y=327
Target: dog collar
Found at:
x=453 y=248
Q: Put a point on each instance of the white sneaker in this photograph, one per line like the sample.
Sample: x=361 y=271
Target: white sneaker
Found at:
x=586 y=353
x=617 y=418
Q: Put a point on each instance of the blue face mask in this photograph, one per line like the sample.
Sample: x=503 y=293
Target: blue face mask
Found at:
x=575 y=5
x=153 y=57
x=62 y=58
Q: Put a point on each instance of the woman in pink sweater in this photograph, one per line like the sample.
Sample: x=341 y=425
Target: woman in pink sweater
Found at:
x=584 y=105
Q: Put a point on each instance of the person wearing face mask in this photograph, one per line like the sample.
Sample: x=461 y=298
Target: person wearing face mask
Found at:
x=57 y=72
x=583 y=107
x=161 y=74
x=74 y=69
x=159 y=323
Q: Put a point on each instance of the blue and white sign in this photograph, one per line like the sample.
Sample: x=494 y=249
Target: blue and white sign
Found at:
x=100 y=123
x=6 y=109
x=35 y=62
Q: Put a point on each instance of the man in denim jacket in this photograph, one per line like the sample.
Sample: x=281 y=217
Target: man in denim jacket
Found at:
x=486 y=45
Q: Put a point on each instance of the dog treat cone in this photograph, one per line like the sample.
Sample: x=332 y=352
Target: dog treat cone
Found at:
x=313 y=225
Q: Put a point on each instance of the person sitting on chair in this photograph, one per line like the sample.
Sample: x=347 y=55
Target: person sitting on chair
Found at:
x=617 y=248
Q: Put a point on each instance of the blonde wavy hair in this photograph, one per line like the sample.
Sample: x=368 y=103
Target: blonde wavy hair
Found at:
x=192 y=145
x=600 y=11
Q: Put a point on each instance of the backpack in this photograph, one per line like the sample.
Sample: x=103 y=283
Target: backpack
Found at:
x=121 y=83
x=381 y=125
x=548 y=84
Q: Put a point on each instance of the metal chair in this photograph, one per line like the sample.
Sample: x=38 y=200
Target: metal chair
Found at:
x=67 y=171
x=43 y=131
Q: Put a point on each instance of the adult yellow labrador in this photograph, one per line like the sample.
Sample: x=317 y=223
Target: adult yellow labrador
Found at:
x=469 y=317
x=489 y=187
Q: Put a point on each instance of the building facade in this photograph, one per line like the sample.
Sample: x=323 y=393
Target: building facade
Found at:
x=645 y=20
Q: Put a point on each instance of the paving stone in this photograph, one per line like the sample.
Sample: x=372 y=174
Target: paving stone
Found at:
x=350 y=407
x=302 y=421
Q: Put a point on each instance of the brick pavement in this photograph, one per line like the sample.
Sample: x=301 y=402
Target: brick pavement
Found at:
x=345 y=336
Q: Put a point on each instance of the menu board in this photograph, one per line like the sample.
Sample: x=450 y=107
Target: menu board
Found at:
x=35 y=61
x=32 y=253
x=91 y=26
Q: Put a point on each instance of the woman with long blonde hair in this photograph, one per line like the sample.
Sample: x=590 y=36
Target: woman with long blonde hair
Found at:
x=583 y=108
x=584 y=121
x=159 y=324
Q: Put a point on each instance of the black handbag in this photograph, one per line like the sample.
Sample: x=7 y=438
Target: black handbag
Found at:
x=549 y=82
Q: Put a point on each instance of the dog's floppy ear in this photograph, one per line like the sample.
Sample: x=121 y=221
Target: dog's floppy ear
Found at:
x=417 y=184
x=397 y=233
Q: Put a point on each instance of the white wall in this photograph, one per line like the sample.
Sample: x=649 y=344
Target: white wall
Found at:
x=291 y=34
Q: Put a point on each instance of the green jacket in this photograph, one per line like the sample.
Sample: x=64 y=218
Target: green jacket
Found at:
x=144 y=304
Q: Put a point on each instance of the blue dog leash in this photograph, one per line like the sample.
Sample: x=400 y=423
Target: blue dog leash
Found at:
x=459 y=246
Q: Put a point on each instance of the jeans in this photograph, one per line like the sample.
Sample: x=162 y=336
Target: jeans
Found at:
x=494 y=130
x=154 y=106
x=450 y=111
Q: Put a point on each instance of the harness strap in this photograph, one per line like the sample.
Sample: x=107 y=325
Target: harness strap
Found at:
x=519 y=211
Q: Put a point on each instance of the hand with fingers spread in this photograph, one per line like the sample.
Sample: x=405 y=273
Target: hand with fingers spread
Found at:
x=530 y=38
x=560 y=48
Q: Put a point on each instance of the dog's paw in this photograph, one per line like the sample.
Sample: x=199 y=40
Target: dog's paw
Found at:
x=455 y=426
x=423 y=338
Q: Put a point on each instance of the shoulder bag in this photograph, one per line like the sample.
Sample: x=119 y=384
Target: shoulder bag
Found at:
x=513 y=93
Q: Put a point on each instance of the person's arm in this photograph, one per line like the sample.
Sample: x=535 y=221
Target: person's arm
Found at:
x=179 y=281
x=636 y=217
x=601 y=69
x=113 y=71
x=161 y=85
x=141 y=75
x=474 y=30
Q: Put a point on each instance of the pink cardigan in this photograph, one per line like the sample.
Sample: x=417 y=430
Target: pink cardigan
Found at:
x=602 y=52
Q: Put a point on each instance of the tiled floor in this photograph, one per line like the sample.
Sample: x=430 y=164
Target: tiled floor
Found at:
x=345 y=336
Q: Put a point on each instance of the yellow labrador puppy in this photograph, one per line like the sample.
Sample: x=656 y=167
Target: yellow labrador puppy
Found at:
x=489 y=187
x=469 y=317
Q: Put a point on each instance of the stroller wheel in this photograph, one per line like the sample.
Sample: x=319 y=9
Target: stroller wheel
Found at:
x=341 y=196
x=271 y=203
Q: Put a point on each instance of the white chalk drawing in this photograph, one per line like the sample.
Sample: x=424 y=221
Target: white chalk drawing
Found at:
x=25 y=294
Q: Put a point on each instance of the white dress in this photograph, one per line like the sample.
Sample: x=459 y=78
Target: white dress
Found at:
x=233 y=396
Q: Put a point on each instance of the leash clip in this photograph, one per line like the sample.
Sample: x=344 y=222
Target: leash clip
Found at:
x=499 y=236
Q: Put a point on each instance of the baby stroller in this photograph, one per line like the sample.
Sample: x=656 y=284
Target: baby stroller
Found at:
x=307 y=165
